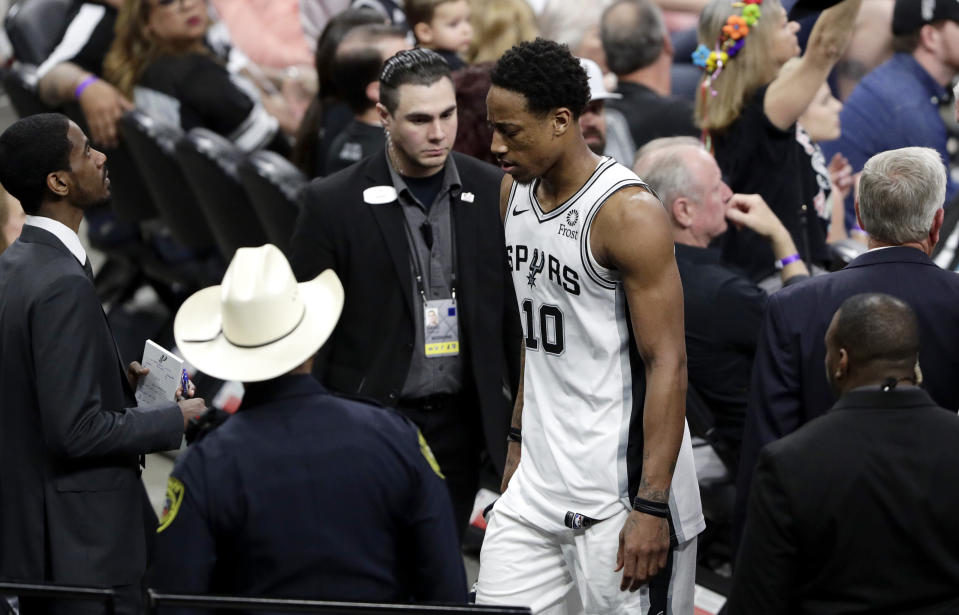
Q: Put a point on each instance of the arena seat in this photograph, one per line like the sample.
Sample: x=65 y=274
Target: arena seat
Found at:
x=273 y=185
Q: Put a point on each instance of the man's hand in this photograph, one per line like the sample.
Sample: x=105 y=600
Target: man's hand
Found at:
x=513 y=452
x=134 y=372
x=102 y=105
x=643 y=547
x=841 y=176
x=752 y=212
x=191 y=409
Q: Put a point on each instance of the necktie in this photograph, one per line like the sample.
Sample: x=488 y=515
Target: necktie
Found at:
x=88 y=269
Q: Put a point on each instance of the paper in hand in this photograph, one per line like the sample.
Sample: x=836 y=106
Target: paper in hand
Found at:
x=160 y=385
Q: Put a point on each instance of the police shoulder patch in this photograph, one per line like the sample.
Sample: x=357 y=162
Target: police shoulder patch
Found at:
x=428 y=454
x=174 y=497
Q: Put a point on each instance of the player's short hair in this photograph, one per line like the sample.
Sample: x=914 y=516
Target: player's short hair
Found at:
x=31 y=149
x=411 y=67
x=546 y=74
x=421 y=11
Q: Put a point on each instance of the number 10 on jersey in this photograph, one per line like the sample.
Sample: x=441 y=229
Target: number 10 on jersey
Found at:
x=543 y=327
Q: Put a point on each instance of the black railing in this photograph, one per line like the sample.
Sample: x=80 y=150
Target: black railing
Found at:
x=60 y=593
x=234 y=603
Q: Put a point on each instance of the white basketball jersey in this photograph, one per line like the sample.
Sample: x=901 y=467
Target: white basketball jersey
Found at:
x=583 y=378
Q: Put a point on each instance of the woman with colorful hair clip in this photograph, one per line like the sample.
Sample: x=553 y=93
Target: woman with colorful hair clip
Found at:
x=747 y=108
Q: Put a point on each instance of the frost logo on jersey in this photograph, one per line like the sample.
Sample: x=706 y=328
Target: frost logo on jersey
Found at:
x=566 y=230
x=535 y=266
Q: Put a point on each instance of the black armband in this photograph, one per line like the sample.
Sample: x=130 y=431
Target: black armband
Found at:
x=656 y=509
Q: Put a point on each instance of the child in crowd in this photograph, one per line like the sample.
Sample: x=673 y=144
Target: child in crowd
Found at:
x=443 y=26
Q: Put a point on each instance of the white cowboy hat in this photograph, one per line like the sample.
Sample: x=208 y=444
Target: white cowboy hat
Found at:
x=259 y=323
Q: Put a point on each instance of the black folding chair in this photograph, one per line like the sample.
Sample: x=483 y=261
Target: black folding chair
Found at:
x=34 y=28
x=209 y=162
x=152 y=147
x=273 y=185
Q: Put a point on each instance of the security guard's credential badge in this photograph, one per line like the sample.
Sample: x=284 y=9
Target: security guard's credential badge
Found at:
x=427 y=453
x=174 y=497
x=440 y=328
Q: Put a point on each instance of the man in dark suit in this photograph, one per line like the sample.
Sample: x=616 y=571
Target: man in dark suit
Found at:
x=855 y=512
x=361 y=513
x=900 y=198
x=72 y=507
x=414 y=233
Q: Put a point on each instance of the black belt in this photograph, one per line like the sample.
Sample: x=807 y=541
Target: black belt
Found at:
x=430 y=402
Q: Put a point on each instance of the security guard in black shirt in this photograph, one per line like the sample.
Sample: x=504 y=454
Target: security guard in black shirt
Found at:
x=300 y=494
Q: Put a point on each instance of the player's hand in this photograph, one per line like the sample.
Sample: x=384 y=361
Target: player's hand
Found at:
x=513 y=452
x=102 y=106
x=643 y=547
x=134 y=372
x=191 y=409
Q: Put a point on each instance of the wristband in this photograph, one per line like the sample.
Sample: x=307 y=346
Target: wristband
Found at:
x=656 y=509
x=515 y=434
x=786 y=260
x=84 y=85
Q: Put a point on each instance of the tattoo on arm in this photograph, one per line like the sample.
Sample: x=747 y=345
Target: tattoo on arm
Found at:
x=646 y=492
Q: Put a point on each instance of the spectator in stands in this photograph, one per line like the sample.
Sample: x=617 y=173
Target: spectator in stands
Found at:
x=748 y=109
x=473 y=130
x=820 y=123
x=854 y=512
x=391 y=10
x=723 y=307
x=897 y=105
x=301 y=494
x=900 y=206
x=604 y=129
x=11 y=219
x=443 y=26
x=327 y=113
x=356 y=72
x=639 y=53
x=497 y=26
x=159 y=58
x=73 y=70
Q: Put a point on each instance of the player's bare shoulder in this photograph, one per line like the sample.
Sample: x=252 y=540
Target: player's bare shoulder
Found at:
x=631 y=221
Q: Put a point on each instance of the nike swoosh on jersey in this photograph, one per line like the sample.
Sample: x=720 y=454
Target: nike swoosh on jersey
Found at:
x=517 y=212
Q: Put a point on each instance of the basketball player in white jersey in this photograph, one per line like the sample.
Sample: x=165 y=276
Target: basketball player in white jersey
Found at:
x=603 y=501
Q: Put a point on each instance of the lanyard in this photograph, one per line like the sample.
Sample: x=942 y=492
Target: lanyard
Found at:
x=414 y=256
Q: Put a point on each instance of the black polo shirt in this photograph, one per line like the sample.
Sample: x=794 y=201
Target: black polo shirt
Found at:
x=724 y=311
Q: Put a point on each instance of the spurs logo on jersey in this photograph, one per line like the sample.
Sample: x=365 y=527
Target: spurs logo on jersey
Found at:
x=578 y=387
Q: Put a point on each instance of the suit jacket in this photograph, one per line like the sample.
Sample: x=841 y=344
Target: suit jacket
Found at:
x=789 y=386
x=359 y=515
x=72 y=506
x=369 y=352
x=855 y=512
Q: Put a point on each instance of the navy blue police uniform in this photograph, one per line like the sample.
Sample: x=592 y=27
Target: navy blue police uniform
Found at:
x=303 y=494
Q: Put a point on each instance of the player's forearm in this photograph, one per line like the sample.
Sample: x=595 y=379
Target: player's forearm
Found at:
x=663 y=423
x=60 y=83
x=517 y=418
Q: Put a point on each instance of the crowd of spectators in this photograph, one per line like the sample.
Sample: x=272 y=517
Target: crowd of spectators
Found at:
x=802 y=151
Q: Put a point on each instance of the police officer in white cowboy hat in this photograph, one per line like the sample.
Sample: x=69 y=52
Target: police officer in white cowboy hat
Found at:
x=300 y=494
